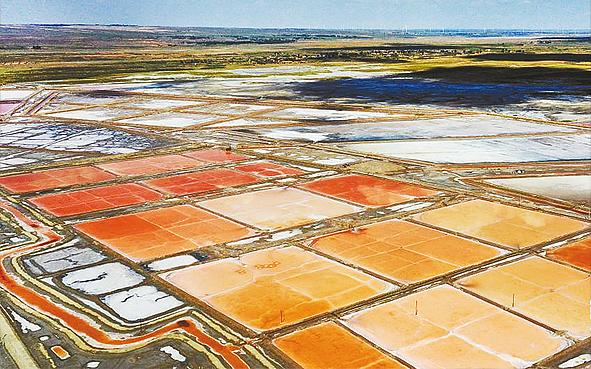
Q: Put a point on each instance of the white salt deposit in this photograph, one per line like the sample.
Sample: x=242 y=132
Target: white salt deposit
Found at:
x=326 y=114
x=15 y=94
x=140 y=303
x=102 y=278
x=172 y=262
x=176 y=120
x=26 y=326
x=174 y=353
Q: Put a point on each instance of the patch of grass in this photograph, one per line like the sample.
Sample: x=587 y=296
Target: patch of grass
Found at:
x=69 y=63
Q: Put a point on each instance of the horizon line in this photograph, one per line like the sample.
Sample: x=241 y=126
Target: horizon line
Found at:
x=404 y=29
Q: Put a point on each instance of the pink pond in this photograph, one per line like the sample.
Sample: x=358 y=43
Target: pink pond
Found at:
x=7 y=107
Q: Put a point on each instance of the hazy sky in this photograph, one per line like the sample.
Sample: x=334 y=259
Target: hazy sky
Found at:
x=385 y=14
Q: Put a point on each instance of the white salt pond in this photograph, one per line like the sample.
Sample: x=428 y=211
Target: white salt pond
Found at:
x=245 y=122
x=484 y=150
x=326 y=114
x=97 y=114
x=229 y=109
x=162 y=104
x=140 y=303
x=102 y=278
x=7 y=95
x=172 y=120
x=568 y=188
x=442 y=127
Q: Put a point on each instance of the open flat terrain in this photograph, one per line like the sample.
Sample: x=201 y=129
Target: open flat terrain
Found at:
x=202 y=198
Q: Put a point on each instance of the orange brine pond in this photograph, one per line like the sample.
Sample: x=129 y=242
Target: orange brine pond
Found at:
x=271 y=288
x=366 y=190
x=577 y=254
x=329 y=346
x=94 y=199
x=60 y=352
x=156 y=233
x=151 y=165
x=443 y=327
x=208 y=180
x=502 y=224
x=278 y=208
x=546 y=291
x=54 y=178
x=216 y=156
x=269 y=170
x=403 y=251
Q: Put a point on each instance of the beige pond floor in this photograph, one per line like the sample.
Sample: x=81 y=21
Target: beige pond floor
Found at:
x=446 y=328
x=546 y=291
x=502 y=224
x=288 y=284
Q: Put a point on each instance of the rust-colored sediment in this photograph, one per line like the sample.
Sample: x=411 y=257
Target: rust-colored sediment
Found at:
x=53 y=178
x=151 y=165
x=94 y=199
x=403 y=251
x=270 y=170
x=216 y=156
x=366 y=190
x=155 y=233
x=201 y=181
x=60 y=352
x=577 y=254
x=328 y=346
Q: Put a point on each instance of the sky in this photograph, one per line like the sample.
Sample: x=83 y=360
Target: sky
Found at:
x=332 y=14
